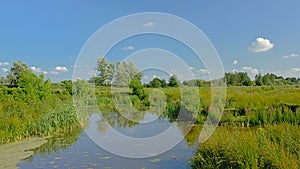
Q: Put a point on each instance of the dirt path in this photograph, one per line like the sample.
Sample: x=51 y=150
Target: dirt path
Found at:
x=12 y=153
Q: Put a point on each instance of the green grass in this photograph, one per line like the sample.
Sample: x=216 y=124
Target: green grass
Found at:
x=21 y=118
x=273 y=146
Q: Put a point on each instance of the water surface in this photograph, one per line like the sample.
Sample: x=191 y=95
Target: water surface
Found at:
x=76 y=150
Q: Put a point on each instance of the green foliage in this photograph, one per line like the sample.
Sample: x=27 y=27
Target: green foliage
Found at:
x=274 y=146
x=14 y=73
x=137 y=88
x=81 y=88
x=68 y=86
x=106 y=71
x=125 y=72
x=173 y=81
x=57 y=120
x=156 y=83
x=27 y=103
x=238 y=79
x=34 y=86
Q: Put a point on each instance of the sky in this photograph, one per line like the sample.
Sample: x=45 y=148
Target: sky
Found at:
x=252 y=36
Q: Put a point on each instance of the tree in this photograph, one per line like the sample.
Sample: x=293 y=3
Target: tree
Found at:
x=244 y=79
x=126 y=72
x=137 y=88
x=106 y=72
x=34 y=86
x=14 y=73
x=155 y=83
x=3 y=80
x=81 y=88
x=68 y=86
x=258 y=80
x=231 y=79
x=266 y=79
x=173 y=82
x=238 y=79
x=163 y=83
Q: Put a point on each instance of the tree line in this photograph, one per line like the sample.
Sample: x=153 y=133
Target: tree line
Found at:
x=127 y=74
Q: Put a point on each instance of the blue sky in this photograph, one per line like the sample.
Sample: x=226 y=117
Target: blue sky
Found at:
x=253 y=36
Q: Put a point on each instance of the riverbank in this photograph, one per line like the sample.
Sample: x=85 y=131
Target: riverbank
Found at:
x=271 y=146
x=12 y=153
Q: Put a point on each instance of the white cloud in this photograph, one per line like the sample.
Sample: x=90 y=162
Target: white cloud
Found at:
x=36 y=69
x=4 y=70
x=4 y=63
x=203 y=71
x=128 y=48
x=293 y=55
x=295 y=69
x=191 y=68
x=235 y=62
x=53 y=72
x=61 y=69
x=45 y=72
x=150 y=24
x=155 y=76
x=261 y=45
x=250 y=69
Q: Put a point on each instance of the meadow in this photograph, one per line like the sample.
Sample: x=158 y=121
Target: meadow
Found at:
x=258 y=129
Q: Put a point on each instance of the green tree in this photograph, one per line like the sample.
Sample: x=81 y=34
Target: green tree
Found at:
x=106 y=72
x=155 y=83
x=68 y=86
x=163 y=83
x=266 y=79
x=244 y=79
x=81 y=88
x=126 y=72
x=14 y=73
x=34 y=86
x=231 y=79
x=3 y=80
x=238 y=79
x=137 y=88
x=258 y=80
x=173 y=81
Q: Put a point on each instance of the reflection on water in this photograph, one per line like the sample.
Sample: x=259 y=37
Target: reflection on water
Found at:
x=76 y=150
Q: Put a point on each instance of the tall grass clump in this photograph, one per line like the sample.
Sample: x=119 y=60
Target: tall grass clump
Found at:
x=58 y=120
x=274 y=146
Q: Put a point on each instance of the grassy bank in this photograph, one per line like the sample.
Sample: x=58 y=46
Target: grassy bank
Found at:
x=245 y=106
x=21 y=117
x=272 y=146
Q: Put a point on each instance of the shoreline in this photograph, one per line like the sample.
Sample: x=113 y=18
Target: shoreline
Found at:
x=12 y=153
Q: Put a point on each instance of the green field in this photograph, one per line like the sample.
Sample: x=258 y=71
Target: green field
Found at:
x=259 y=127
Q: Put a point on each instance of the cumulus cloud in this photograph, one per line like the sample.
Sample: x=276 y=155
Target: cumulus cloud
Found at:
x=128 y=48
x=203 y=71
x=191 y=68
x=4 y=63
x=250 y=69
x=61 y=69
x=53 y=72
x=295 y=69
x=155 y=76
x=235 y=62
x=261 y=45
x=150 y=24
x=4 y=70
x=36 y=69
x=293 y=55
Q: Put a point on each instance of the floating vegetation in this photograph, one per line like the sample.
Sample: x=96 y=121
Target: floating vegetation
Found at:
x=155 y=160
x=105 y=158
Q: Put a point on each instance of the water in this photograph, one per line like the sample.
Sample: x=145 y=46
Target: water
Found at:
x=76 y=150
